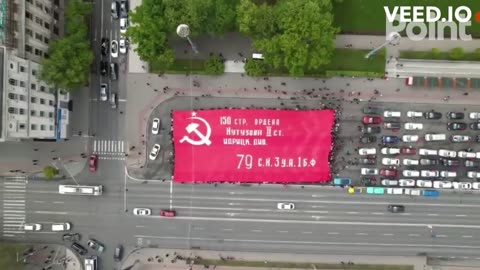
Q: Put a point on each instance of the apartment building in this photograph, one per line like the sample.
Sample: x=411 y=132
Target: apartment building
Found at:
x=30 y=108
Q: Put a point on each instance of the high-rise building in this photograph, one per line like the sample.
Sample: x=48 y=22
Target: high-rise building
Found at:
x=30 y=109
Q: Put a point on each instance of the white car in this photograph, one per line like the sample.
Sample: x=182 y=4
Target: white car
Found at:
x=413 y=126
x=473 y=174
x=413 y=114
x=154 y=153
x=447 y=153
x=390 y=151
x=388 y=114
x=424 y=183
x=474 y=115
x=476 y=185
x=285 y=206
x=391 y=161
x=411 y=173
x=123 y=25
x=412 y=192
x=142 y=211
x=103 y=92
x=387 y=182
x=425 y=173
x=442 y=184
x=155 y=125
x=367 y=151
x=410 y=162
x=32 y=227
x=395 y=191
x=369 y=171
x=427 y=152
x=410 y=138
x=464 y=154
x=460 y=138
x=123 y=45
x=448 y=174
x=462 y=185
x=114 y=49
x=406 y=182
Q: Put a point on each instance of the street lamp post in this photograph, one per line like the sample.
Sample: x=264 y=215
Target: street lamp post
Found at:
x=184 y=31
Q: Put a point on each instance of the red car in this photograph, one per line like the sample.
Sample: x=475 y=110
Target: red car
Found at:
x=168 y=213
x=372 y=120
x=409 y=151
x=388 y=173
x=93 y=163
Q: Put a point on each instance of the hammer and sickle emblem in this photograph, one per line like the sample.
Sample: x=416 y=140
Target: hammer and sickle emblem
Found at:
x=193 y=127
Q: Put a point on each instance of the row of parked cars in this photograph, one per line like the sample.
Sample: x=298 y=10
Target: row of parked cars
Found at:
x=440 y=184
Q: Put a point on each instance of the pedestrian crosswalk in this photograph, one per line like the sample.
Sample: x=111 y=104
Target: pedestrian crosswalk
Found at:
x=13 y=212
x=112 y=149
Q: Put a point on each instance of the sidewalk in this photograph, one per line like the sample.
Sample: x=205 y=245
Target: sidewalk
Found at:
x=56 y=257
x=150 y=258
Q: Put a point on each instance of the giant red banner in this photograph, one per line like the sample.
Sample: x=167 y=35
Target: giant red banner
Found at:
x=252 y=146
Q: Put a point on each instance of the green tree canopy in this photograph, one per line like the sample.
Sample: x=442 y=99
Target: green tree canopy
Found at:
x=70 y=57
x=255 y=68
x=50 y=172
x=457 y=53
x=214 y=66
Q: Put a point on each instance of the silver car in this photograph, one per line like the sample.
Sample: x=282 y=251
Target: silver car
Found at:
x=103 y=92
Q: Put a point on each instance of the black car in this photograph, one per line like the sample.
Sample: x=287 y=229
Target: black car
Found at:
x=105 y=46
x=103 y=68
x=432 y=115
x=367 y=161
x=450 y=162
x=392 y=125
x=396 y=208
x=371 y=110
x=123 y=9
x=471 y=163
x=368 y=139
x=426 y=161
x=478 y=138
x=456 y=126
x=475 y=126
x=118 y=253
x=455 y=115
x=79 y=248
x=371 y=130
x=73 y=237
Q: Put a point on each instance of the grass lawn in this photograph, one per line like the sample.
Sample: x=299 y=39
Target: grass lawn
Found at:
x=368 y=16
x=180 y=66
x=8 y=256
x=442 y=56
x=354 y=60
x=306 y=265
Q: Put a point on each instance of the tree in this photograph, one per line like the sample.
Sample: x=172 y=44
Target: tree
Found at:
x=436 y=53
x=50 y=172
x=477 y=54
x=457 y=53
x=304 y=39
x=70 y=57
x=255 y=68
x=214 y=66
x=256 y=21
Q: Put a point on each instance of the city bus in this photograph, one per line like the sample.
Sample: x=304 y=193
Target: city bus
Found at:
x=80 y=190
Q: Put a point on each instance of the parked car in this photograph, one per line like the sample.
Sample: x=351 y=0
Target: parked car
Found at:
x=392 y=125
x=368 y=139
x=155 y=126
x=460 y=138
x=414 y=114
x=448 y=174
x=450 y=162
x=123 y=9
x=475 y=126
x=478 y=138
x=395 y=191
x=114 y=49
x=412 y=191
x=391 y=114
x=424 y=183
x=410 y=138
x=431 y=193
x=113 y=100
x=456 y=126
x=471 y=163
x=391 y=161
x=462 y=185
x=427 y=152
x=93 y=163
x=390 y=151
x=367 y=161
x=396 y=208
x=432 y=115
x=368 y=171
x=105 y=45
x=103 y=68
x=372 y=120
x=118 y=253
x=442 y=184
x=473 y=174
x=411 y=173
x=154 y=153
x=429 y=173
x=95 y=245
x=406 y=182
x=447 y=153
x=371 y=110
x=388 y=173
x=32 y=227
x=142 y=211
x=476 y=185
x=342 y=181
x=123 y=45
x=465 y=154
x=388 y=182
x=367 y=151
x=123 y=25
x=474 y=115
x=370 y=130
x=115 y=7
x=79 y=248
x=413 y=126
x=426 y=161
x=72 y=237
x=408 y=151
x=455 y=115
x=390 y=139
x=103 y=92
x=410 y=162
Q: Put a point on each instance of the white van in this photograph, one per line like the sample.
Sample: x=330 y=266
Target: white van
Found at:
x=413 y=114
x=448 y=174
x=427 y=152
x=465 y=154
x=435 y=137
x=257 y=56
x=59 y=227
x=388 y=114
x=91 y=263
x=395 y=191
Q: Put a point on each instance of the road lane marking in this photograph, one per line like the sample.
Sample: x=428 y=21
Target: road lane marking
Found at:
x=171 y=195
x=388 y=234
x=377 y=213
x=318 y=206
x=14 y=201
x=140 y=226
x=228 y=229
x=282 y=231
x=51 y=212
x=413 y=234
x=14 y=211
x=361 y=233
x=440 y=235
x=17 y=232
x=352 y=213
x=333 y=233
x=58 y=202
x=234 y=203
x=432 y=215
x=460 y=215
x=467 y=236
x=38 y=201
x=256 y=230
x=405 y=214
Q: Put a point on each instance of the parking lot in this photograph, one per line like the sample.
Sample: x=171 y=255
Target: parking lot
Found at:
x=349 y=139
